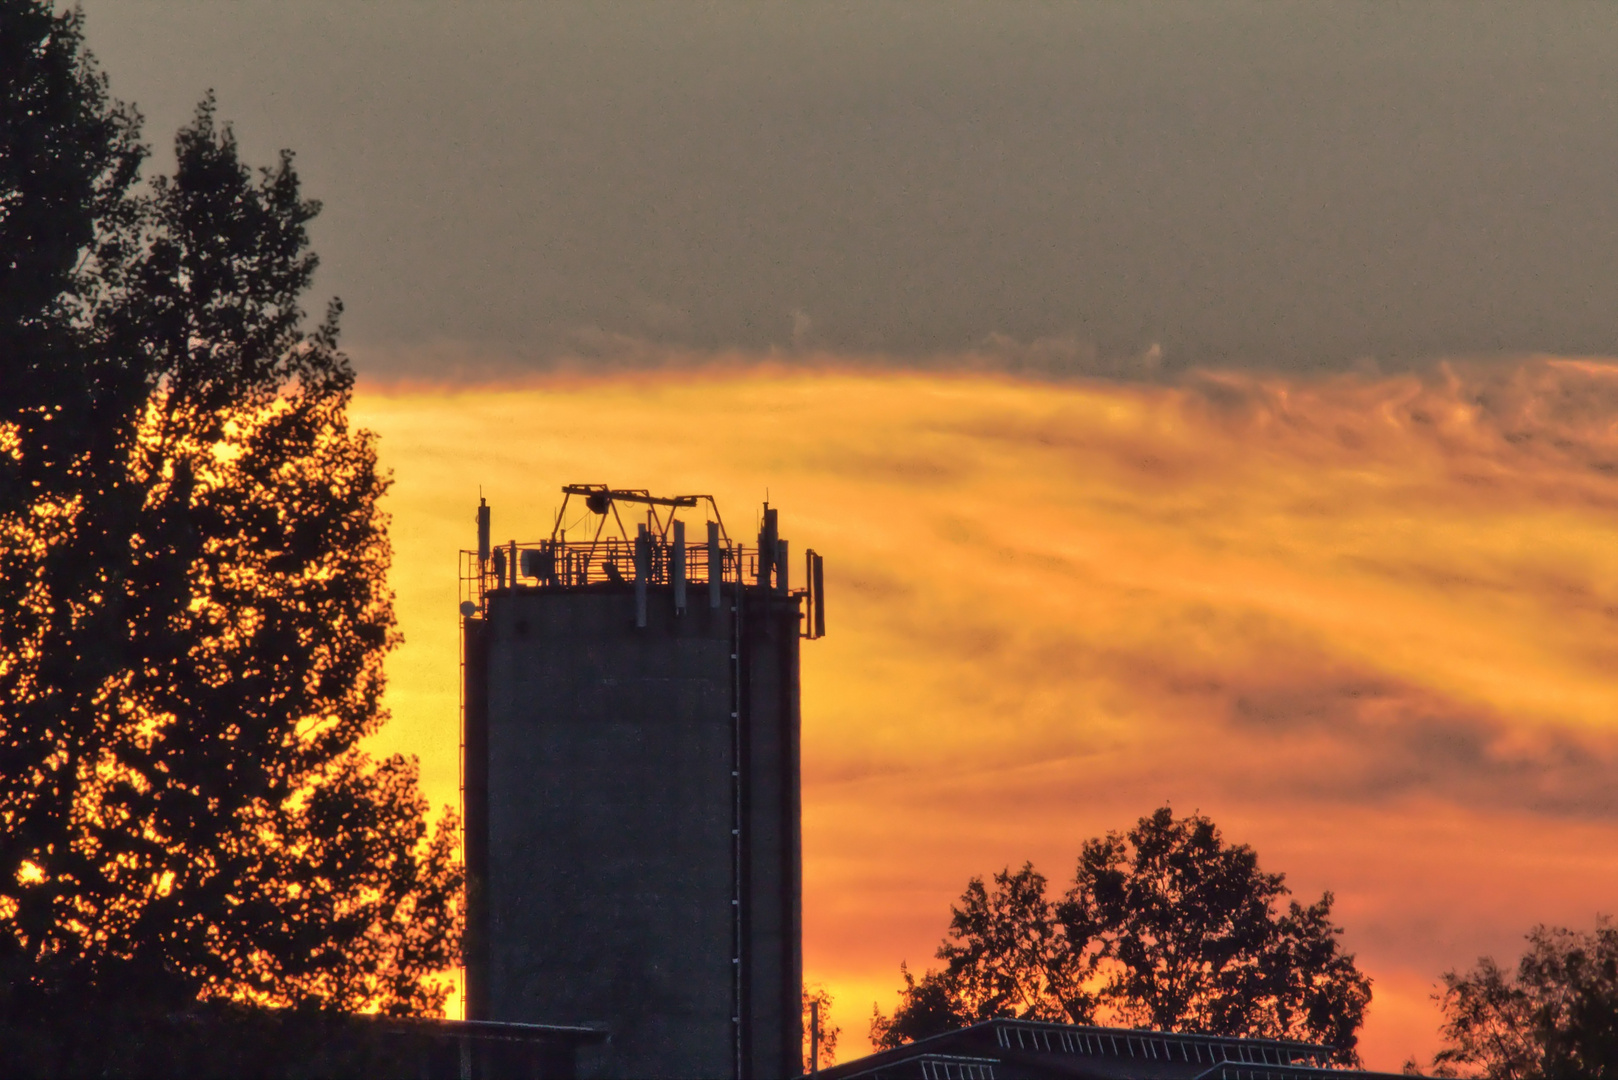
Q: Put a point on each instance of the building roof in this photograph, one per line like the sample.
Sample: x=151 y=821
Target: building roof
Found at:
x=1028 y=1050
x=495 y=1030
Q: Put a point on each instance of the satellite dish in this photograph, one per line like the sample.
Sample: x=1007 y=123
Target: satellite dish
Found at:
x=468 y=608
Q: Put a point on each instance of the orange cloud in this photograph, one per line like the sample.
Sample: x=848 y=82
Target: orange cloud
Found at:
x=1368 y=625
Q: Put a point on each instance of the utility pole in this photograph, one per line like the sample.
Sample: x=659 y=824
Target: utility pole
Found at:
x=814 y=1036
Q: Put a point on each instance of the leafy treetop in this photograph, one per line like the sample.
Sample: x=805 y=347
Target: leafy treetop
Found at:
x=1554 y=1018
x=1166 y=927
x=193 y=597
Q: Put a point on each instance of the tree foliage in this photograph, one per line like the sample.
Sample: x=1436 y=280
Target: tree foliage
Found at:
x=818 y=1003
x=1007 y=954
x=1166 y=927
x=193 y=578
x=1193 y=940
x=1555 y=1018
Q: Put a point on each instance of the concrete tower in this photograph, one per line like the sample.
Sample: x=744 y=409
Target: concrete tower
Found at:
x=630 y=773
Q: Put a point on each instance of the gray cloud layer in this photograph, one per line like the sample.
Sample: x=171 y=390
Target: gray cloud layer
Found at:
x=1296 y=185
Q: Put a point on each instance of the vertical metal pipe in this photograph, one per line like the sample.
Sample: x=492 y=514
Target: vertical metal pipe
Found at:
x=739 y=897
x=483 y=532
x=677 y=567
x=781 y=567
x=814 y=1037
x=483 y=548
x=475 y=811
x=767 y=537
x=643 y=558
x=716 y=565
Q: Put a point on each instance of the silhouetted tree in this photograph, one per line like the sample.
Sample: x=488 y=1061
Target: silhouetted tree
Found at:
x=927 y=1006
x=1165 y=927
x=821 y=1000
x=1193 y=940
x=1556 y=1018
x=69 y=157
x=193 y=564
x=1007 y=954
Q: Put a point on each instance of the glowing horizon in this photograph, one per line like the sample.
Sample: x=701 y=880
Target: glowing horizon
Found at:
x=1366 y=624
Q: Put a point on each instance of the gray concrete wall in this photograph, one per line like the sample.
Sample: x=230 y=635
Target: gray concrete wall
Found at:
x=475 y=813
x=772 y=857
x=611 y=860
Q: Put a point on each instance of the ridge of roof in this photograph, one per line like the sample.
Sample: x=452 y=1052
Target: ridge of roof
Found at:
x=1041 y=1048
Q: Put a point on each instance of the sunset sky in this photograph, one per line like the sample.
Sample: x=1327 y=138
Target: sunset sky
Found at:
x=1200 y=403
x=1367 y=624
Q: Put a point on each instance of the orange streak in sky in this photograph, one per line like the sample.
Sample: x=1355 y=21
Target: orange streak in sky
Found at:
x=1369 y=626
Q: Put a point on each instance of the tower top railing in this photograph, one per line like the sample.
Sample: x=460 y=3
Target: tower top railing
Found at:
x=603 y=554
x=519 y=565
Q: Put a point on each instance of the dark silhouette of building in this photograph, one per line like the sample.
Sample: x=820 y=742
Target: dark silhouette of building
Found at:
x=224 y=1039
x=1025 y=1050
x=481 y=1050
x=630 y=773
